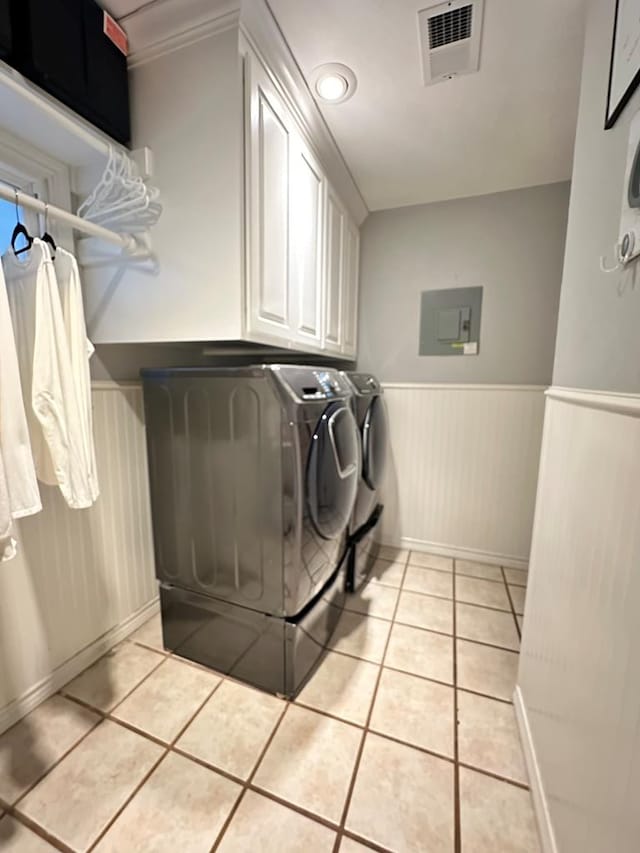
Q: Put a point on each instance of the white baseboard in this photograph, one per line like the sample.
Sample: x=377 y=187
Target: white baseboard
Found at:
x=540 y=806
x=460 y=553
x=20 y=707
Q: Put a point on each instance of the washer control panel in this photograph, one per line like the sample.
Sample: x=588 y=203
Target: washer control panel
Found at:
x=329 y=383
x=308 y=383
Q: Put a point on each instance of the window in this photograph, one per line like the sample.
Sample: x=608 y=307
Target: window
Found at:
x=28 y=184
x=7 y=223
x=9 y=215
x=34 y=173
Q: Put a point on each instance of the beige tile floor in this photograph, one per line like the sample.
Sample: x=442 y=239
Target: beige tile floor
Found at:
x=404 y=739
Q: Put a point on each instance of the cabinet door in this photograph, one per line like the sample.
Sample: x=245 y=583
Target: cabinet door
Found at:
x=268 y=309
x=306 y=204
x=334 y=274
x=351 y=257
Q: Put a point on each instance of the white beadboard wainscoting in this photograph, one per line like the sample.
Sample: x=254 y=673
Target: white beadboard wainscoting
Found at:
x=463 y=471
x=83 y=579
x=578 y=695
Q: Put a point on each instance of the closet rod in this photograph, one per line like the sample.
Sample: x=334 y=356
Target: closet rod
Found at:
x=129 y=243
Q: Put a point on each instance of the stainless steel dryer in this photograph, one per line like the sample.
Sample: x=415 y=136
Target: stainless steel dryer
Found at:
x=254 y=473
x=371 y=416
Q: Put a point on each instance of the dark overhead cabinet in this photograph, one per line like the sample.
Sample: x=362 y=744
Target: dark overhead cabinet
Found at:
x=5 y=29
x=61 y=45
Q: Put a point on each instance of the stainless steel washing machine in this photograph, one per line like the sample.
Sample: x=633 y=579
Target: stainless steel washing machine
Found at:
x=371 y=416
x=254 y=473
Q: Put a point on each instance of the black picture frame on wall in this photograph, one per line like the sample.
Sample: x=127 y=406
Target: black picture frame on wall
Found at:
x=625 y=59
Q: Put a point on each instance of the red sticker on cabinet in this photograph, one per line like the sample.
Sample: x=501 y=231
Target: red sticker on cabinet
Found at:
x=115 y=32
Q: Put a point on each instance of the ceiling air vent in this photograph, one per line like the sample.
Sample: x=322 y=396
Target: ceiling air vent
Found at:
x=450 y=39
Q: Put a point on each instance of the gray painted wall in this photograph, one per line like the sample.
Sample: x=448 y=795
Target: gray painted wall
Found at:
x=598 y=342
x=511 y=243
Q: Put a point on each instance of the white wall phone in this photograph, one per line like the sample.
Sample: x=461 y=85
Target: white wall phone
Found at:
x=627 y=248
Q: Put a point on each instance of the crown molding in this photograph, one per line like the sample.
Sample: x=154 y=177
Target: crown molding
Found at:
x=164 y=26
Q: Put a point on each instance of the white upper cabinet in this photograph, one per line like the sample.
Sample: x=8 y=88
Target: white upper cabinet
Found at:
x=258 y=240
x=306 y=206
x=342 y=249
x=285 y=218
x=268 y=176
x=334 y=279
x=351 y=263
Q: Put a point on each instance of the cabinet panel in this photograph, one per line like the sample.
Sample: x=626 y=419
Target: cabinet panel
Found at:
x=351 y=257
x=302 y=247
x=274 y=214
x=306 y=199
x=334 y=274
x=269 y=165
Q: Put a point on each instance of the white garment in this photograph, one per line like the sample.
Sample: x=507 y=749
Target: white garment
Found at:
x=15 y=447
x=55 y=427
x=80 y=351
x=7 y=542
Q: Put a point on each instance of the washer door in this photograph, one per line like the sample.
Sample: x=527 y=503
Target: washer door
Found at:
x=333 y=470
x=375 y=436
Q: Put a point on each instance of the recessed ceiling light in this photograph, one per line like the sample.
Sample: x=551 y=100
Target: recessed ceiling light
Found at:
x=331 y=87
x=333 y=82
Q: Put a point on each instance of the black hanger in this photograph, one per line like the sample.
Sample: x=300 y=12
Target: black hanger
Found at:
x=46 y=237
x=20 y=231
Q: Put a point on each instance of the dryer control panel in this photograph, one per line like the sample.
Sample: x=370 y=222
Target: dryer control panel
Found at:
x=364 y=384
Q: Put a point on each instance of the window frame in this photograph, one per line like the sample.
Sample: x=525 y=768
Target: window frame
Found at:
x=32 y=171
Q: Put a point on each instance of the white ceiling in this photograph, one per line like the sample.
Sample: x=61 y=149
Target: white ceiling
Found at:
x=510 y=125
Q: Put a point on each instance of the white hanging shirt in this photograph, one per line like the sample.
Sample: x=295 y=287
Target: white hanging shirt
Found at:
x=55 y=426
x=80 y=351
x=15 y=446
x=7 y=542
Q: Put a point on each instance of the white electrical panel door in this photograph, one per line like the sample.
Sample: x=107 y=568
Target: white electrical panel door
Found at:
x=268 y=207
x=306 y=205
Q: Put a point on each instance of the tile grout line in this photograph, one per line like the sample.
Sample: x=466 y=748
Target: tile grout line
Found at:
x=463 y=574
x=172 y=747
x=253 y=787
x=315 y=710
x=522 y=785
x=92 y=728
x=513 y=609
x=364 y=842
x=460 y=600
x=167 y=749
x=457 y=827
x=164 y=658
x=248 y=781
x=356 y=767
x=40 y=831
x=450 y=684
x=250 y=786
x=430 y=631
x=446 y=634
x=437 y=597
x=247 y=784
x=101 y=717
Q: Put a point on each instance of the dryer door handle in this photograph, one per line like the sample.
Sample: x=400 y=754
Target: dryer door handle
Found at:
x=352 y=467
